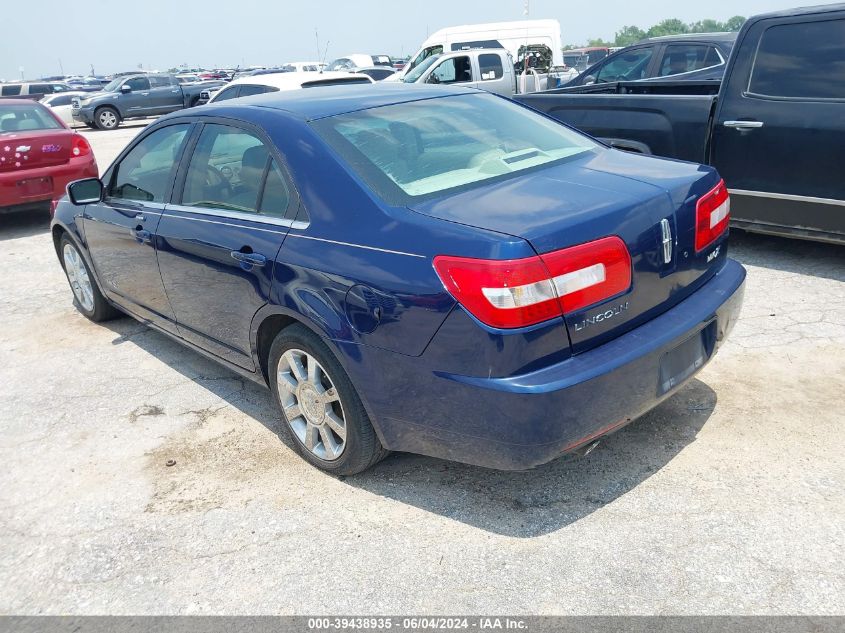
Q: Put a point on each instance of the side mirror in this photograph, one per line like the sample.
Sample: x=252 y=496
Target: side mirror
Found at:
x=86 y=191
x=589 y=80
x=126 y=88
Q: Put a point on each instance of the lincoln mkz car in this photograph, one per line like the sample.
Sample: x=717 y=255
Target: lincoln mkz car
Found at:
x=424 y=269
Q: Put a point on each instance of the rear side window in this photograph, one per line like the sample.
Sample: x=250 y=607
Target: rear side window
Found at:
x=61 y=100
x=27 y=116
x=465 y=46
x=490 y=66
x=685 y=58
x=803 y=60
x=11 y=90
x=146 y=171
x=247 y=90
x=35 y=89
x=160 y=82
x=275 y=198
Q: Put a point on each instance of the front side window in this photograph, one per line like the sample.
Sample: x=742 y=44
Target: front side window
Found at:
x=228 y=170
x=35 y=89
x=61 y=100
x=804 y=60
x=627 y=66
x=453 y=70
x=138 y=83
x=146 y=171
x=490 y=67
x=423 y=148
x=685 y=58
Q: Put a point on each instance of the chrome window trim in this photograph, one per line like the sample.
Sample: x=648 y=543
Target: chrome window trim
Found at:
x=786 y=196
x=369 y=248
x=234 y=215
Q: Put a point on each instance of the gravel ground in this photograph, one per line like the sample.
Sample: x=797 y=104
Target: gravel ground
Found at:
x=727 y=499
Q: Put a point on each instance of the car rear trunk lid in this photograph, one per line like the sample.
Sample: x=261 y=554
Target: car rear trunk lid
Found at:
x=649 y=203
x=31 y=149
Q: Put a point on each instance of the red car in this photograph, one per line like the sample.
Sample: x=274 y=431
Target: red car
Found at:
x=39 y=156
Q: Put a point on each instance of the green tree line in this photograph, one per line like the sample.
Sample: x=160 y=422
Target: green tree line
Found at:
x=628 y=35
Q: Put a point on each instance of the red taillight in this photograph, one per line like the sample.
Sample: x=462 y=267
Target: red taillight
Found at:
x=79 y=146
x=712 y=215
x=520 y=292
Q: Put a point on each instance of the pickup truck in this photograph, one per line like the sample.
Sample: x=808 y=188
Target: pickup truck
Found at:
x=775 y=129
x=490 y=69
x=135 y=96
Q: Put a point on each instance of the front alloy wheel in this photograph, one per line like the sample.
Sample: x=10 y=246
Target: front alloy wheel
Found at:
x=77 y=276
x=311 y=404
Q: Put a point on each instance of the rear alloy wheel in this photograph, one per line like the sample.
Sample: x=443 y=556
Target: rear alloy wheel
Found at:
x=324 y=415
x=106 y=118
x=87 y=296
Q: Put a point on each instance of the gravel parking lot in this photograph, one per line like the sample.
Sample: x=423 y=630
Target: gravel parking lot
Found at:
x=727 y=499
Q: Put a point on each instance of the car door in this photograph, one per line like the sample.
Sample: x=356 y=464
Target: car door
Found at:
x=136 y=102
x=120 y=230
x=165 y=95
x=453 y=70
x=219 y=240
x=779 y=137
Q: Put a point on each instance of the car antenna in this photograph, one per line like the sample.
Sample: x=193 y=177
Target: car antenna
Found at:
x=323 y=60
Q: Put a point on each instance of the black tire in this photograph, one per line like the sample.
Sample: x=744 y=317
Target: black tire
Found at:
x=362 y=448
x=91 y=125
x=99 y=309
x=106 y=118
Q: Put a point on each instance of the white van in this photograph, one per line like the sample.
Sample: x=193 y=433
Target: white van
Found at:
x=508 y=35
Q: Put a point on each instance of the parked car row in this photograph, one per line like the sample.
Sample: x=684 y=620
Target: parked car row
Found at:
x=775 y=130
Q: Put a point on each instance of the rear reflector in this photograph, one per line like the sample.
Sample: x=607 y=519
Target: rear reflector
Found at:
x=712 y=215
x=520 y=292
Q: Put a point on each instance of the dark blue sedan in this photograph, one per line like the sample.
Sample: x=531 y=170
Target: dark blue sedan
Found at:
x=412 y=268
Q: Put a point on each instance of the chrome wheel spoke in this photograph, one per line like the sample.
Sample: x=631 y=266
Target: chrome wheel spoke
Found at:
x=287 y=382
x=311 y=436
x=296 y=367
x=313 y=372
x=292 y=412
x=336 y=424
x=329 y=445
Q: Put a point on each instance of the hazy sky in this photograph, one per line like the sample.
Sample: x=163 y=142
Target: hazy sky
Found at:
x=115 y=36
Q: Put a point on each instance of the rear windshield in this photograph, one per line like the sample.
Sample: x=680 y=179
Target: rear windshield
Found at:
x=425 y=148
x=26 y=116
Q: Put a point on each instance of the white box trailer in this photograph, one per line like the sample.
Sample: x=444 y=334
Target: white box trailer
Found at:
x=508 y=35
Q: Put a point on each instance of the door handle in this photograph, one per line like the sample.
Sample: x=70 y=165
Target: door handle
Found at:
x=141 y=217
x=174 y=91
x=250 y=259
x=743 y=125
x=145 y=94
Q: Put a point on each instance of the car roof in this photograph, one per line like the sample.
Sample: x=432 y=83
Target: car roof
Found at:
x=821 y=8
x=326 y=101
x=694 y=37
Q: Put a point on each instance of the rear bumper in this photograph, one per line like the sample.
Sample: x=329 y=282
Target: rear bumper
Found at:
x=13 y=186
x=521 y=421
